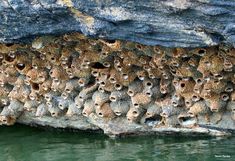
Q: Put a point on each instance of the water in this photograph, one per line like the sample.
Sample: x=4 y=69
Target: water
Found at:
x=21 y=143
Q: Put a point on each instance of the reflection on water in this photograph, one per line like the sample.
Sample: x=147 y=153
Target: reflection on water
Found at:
x=20 y=143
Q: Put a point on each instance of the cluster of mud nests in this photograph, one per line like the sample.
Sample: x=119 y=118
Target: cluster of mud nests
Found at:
x=73 y=75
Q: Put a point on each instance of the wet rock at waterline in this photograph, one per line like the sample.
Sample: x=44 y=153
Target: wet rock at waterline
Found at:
x=120 y=87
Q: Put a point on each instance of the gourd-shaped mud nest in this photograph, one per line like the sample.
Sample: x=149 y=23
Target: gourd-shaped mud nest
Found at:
x=73 y=75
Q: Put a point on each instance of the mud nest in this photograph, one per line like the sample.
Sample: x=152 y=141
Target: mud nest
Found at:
x=73 y=75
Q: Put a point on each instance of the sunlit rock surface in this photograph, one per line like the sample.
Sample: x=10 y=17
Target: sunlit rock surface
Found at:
x=171 y=23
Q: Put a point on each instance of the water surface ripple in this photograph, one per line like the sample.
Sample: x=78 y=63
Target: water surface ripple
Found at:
x=21 y=143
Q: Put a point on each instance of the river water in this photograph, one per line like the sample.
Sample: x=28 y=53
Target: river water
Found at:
x=21 y=143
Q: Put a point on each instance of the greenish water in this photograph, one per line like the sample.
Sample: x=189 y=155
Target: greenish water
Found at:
x=20 y=143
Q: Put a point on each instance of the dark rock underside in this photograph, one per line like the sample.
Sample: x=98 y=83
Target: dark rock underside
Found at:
x=171 y=23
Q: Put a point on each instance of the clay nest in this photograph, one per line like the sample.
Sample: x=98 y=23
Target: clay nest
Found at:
x=151 y=85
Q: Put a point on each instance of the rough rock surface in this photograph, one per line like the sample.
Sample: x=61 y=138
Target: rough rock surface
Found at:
x=118 y=127
x=171 y=23
x=78 y=123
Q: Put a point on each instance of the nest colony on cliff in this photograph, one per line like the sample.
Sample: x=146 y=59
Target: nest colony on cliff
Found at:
x=73 y=75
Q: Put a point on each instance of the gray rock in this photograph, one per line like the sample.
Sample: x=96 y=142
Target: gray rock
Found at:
x=75 y=122
x=119 y=127
x=171 y=23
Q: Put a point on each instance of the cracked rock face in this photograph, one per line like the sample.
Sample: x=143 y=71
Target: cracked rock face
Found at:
x=120 y=87
x=170 y=23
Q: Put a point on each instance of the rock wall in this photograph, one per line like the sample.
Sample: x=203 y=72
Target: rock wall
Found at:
x=171 y=23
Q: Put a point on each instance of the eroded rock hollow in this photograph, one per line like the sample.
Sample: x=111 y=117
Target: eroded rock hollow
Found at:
x=118 y=86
